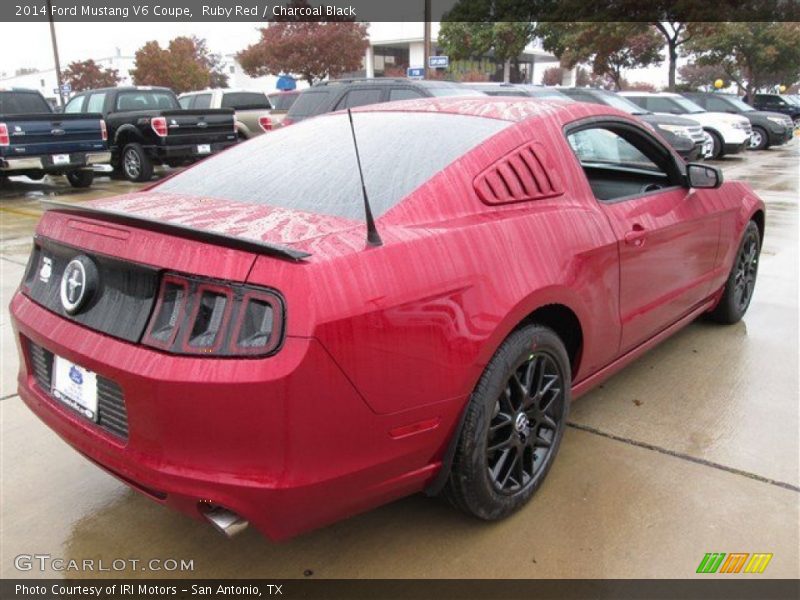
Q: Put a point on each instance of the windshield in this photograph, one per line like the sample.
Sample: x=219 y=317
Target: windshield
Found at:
x=622 y=104
x=311 y=166
x=687 y=105
x=738 y=103
x=453 y=91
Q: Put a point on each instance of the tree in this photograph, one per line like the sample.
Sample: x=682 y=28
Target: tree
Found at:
x=695 y=76
x=505 y=40
x=553 y=76
x=609 y=47
x=185 y=65
x=754 y=55
x=87 y=75
x=313 y=49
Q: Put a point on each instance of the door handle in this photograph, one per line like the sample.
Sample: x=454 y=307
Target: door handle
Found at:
x=636 y=236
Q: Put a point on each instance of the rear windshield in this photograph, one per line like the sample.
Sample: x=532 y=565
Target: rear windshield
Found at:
x=311 y=166
x=309 y=103
x=146 y=100
x=18 y=103
x=283 y=101
x=245 y=101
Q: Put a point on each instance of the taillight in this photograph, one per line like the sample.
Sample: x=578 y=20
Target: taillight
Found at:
x=4 y=139
x=196 y=316
x=103 y=130
x=265 y=123
x=159 y=125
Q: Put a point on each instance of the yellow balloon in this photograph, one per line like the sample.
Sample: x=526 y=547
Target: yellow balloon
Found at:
x=719 y=84
x=782 y=88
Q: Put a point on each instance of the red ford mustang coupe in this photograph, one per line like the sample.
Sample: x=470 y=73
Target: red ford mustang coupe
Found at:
x=258 y=339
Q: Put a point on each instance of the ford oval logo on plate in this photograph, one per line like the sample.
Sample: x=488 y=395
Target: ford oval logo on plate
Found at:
x=75 y=375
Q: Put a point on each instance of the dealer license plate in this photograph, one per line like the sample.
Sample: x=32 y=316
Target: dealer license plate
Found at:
x=60 y=159
x=75 y=386
x=204 y=149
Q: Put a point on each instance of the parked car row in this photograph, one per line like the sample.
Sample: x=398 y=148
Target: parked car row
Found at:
x=137 y=128
x=696 y=125
x=131 y=128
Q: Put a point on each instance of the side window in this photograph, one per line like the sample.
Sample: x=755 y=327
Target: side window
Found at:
x=403 y=94
x=605 y=146
x=186 y=102
x=355 y=98
x=75 y=105
x=202 y=101
x=662 y=105
x=716 y=104
x=620 y=161
x=96 y=103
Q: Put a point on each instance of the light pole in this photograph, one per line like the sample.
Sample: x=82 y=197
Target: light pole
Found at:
x=426 y=40
x=55 y=51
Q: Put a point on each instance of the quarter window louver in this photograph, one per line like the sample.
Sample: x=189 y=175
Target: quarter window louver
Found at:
x=520 y=176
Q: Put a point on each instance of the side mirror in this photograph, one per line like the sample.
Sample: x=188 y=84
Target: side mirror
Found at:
x=703 y=176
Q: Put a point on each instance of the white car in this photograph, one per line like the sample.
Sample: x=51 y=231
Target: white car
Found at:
x=730 y=134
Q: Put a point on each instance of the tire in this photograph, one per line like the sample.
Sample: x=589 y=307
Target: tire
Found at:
x=135 y=164
x=80 y=179
x=718 y=150
x=495 y=412
x=742 y=279
x=759 y=140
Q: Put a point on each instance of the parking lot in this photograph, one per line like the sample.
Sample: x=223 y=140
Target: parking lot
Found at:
x=692 y=449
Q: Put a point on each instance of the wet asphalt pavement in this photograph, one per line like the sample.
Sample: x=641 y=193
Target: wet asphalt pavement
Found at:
x=692 y=449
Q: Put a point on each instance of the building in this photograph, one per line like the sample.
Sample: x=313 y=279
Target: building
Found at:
x=394 y=47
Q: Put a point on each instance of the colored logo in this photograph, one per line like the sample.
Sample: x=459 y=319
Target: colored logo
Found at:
x=75 y=375
x=735 y=562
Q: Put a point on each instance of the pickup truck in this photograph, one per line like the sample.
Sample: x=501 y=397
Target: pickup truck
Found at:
x=253 y=114
x=148 y=127
x=35 y=141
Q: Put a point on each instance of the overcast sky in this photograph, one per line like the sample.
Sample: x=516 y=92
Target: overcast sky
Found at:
x=28 y=44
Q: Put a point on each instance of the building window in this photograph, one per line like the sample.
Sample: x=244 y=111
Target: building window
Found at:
x=233 y=69
x=41 y=83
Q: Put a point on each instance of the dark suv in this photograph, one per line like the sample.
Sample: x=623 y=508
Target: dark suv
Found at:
x=339 y=94
x=685 y=135
x=777 y=103
x=769 y=128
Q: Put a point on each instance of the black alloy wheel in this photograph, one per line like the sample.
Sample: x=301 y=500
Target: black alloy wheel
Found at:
x=738 y=291
x=524 y=423
x=513 y=425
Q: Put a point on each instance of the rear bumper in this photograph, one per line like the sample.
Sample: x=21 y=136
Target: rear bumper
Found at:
x=286 y=442
x=186 y=152
x=77 y=160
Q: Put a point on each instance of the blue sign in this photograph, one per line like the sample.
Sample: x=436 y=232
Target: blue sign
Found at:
x=286 y=83
x=438 y=62
x=415 y=72
x=66 y=88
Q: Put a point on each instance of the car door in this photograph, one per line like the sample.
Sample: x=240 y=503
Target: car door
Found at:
x=667 y=234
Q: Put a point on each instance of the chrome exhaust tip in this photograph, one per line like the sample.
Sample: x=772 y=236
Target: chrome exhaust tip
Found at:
x=225 y=521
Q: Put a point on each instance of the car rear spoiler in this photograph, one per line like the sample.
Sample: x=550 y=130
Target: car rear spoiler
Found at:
x=229 y=241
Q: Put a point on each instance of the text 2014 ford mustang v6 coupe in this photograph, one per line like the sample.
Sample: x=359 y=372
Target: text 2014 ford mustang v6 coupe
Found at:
x=257 y=340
